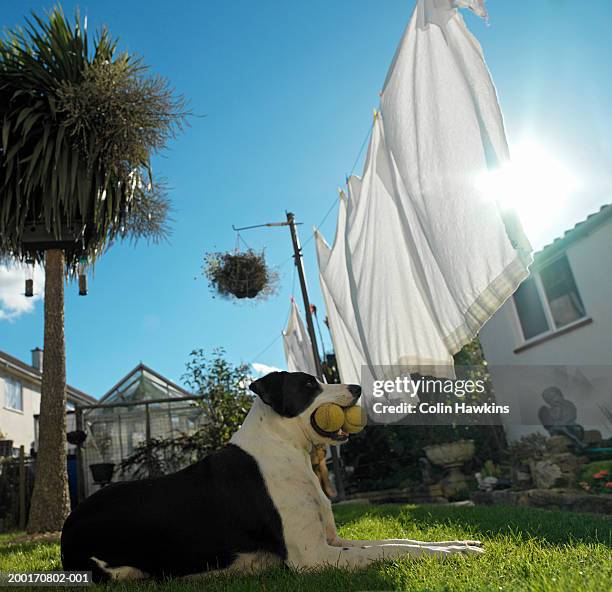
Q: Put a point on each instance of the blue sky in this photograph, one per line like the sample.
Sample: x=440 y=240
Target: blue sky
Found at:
x=287 y=90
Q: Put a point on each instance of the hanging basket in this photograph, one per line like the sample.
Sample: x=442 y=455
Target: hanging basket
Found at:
x=240 y=275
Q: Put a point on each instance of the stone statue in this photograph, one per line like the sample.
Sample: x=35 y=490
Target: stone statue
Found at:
x=559 y=416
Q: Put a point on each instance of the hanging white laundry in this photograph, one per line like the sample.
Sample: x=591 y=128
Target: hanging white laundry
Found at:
x=393 y=318
x=340 y=313
x=424 y=258
x=360 y=358
x=297 y=344
x=378 y=315
x=444 y=130
x=439 y=12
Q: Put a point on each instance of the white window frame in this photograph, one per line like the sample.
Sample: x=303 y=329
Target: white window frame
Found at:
x=552 y=328
x=7 y=380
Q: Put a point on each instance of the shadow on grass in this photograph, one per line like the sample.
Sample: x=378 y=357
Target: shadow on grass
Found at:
x=7 y=550
x=273 y=580
x=324 y=580
x=551 y=526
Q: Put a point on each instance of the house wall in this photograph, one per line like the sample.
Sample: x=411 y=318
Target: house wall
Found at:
x=19 y=425
x=590 y=259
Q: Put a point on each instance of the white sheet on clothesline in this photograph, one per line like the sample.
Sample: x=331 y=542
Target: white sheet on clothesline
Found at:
x=333 y=276
x=297 y=345
x=425 y=258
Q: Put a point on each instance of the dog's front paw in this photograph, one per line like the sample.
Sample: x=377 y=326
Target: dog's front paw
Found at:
x=444 y=552
x=470 y=543
x=468 y=549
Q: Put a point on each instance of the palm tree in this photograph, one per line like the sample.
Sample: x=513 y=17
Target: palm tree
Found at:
x=79 y=122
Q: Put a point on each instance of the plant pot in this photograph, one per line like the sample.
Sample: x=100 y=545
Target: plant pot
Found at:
x=451 y=456
x=6 y=448
x=102 y=473
x=452 y=453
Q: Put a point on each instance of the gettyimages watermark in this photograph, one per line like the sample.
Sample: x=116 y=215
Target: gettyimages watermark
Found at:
x=563 y=398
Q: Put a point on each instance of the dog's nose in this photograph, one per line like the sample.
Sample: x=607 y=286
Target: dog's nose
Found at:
x=355 y=390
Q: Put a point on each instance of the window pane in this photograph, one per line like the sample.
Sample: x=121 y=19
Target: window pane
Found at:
x=530 y=310
x=563 y=298
x=14 y=395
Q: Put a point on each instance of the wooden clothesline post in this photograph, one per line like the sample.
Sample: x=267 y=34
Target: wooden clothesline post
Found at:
x=22 y=488
x=297 y=255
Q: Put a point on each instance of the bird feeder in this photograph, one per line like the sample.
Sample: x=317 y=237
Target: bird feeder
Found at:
x=82 y=277
x=29 y=278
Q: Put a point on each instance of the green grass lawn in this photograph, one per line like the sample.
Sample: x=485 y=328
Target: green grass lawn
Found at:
x=526 y=549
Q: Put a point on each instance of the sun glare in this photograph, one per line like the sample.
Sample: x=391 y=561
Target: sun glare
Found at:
x=534 y=183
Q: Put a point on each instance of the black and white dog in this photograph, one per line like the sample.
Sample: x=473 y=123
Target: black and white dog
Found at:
x=254 y=504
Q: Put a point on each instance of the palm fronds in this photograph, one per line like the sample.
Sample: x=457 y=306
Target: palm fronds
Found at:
x=79 y=122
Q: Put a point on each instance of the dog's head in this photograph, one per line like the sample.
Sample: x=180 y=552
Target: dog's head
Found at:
x=296 y=395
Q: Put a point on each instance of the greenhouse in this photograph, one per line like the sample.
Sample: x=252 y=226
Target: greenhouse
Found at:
x=141 y=408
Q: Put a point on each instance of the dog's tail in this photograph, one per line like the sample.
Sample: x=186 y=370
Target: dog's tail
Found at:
x=74 y=559
x=100 y=572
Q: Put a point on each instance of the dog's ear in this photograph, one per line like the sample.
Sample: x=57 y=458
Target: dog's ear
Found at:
x=288 y=393
x=269 y=389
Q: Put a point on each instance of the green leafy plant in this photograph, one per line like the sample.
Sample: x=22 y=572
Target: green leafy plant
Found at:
x=596 y=477
x=532 y=446
x=79 y=123
x=490 y=469
x=225 y=401
x=102 y=440
x=225 y=397
x=388 y=456
x=162 y=456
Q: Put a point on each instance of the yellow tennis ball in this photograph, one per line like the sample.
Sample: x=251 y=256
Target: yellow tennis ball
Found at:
x=329 y=417
x=355 y=419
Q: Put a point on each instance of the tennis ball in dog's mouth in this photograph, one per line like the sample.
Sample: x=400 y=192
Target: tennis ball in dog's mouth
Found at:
x=355 y=419
x=329 y=417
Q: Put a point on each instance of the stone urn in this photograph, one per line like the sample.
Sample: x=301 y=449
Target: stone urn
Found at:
x=452 y=456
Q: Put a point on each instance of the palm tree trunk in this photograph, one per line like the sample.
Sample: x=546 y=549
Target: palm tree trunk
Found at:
x=50 y=498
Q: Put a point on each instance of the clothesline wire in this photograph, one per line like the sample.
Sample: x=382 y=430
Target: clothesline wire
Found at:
x=265 y=349
x=308 y=240
x=239 y=239
x=335 y=202
x=363 y=145
x=331 y=209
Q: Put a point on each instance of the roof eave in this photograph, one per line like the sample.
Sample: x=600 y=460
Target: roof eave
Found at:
x=579 y=231
x=34 y=376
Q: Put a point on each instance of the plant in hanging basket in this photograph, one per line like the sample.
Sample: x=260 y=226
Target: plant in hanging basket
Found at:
x=240 y=274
